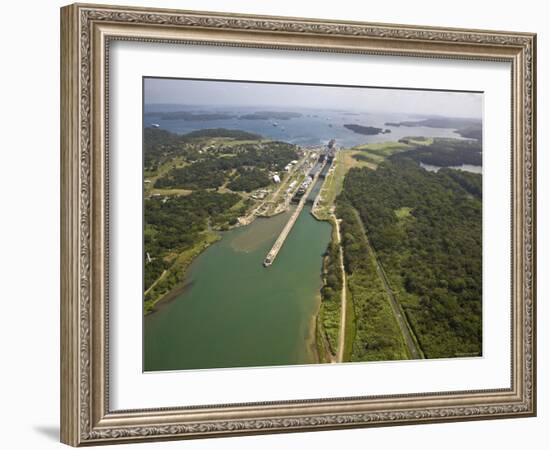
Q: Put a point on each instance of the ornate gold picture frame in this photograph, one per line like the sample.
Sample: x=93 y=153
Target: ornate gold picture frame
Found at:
x=87 y=32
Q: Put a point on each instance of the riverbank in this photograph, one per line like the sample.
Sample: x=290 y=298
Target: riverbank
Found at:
x=330 y=310
x=169 y=283
x=336 y=317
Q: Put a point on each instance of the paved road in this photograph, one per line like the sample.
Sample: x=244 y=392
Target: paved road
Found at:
x=397 y=311
x=342 y=335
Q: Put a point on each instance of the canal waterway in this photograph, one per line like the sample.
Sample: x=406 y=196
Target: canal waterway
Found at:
x=234 y=312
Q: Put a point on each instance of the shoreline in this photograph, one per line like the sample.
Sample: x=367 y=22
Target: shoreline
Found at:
x=312 y=344
x=179 y=287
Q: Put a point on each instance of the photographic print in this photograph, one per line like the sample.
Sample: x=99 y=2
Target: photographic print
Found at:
x=342 y=212
x=290 y=224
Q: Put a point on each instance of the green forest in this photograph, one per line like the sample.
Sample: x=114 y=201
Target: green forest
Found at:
x=446 y=152
x=426 y=231
x=173 y=224
x=249 y=179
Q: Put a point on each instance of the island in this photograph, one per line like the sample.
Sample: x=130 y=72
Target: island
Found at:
x=465 y=127
x=369 y=131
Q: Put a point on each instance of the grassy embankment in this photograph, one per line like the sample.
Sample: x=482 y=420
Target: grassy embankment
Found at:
x=331 y=294
x=367 y=155
x=328 y=319
x=371 y=155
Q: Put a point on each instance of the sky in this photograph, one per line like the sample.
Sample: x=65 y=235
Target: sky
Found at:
x=246 y=94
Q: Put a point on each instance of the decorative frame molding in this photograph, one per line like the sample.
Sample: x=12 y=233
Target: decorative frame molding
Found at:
x=86 y=31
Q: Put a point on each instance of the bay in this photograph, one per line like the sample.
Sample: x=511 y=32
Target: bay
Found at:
x=314 y=127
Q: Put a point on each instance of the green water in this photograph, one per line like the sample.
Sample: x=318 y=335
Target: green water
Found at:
x=236 y=313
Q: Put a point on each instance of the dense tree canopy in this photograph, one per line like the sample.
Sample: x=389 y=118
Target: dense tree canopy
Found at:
x=426 y=230
x=446 y=152
x=174 y=224
x=252 y=161
x=249 y=179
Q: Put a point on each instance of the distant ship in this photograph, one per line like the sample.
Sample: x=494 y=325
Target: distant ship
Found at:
x=155 y=125
x=275 y=124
